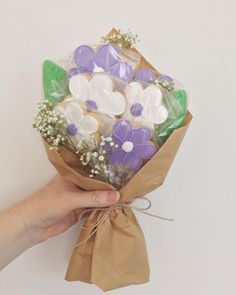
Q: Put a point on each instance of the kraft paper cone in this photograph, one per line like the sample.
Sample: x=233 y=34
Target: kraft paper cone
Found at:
x=116 y=256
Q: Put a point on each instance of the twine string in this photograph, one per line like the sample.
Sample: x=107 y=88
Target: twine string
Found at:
x=107 y=212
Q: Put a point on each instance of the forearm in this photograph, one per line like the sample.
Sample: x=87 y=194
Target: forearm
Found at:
x=14 y=238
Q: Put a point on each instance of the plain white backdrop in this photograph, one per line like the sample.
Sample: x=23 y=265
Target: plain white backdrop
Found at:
x=194 y=41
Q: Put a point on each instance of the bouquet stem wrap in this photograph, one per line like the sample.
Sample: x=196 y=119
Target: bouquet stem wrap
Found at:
x=115 y=255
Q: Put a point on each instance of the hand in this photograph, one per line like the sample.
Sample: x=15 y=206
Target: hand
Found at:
x=47 y=213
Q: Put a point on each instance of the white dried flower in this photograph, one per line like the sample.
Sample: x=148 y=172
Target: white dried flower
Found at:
x=50 y=124
x=101 y=158
x=108 y=139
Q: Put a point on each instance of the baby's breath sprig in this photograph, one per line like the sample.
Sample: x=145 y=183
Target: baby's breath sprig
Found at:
x=165 y=84
x=88 y=143
x=122 y=39
x=97 y=160
x=52 y=126
x=49 y=123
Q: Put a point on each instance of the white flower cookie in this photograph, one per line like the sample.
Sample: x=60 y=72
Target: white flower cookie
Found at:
x=97 y=94
x=145 y=105
x=79 y=125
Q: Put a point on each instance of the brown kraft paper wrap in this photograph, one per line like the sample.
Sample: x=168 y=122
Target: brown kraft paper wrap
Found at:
x=116 y=255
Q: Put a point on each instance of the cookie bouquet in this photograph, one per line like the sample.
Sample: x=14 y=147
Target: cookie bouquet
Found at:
x=109 y=120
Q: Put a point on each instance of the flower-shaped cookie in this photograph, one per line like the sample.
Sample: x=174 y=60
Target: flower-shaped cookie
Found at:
x=132 y=146
x=78 y=124
x=107 y=57
x=97 y=94
x=145 y=105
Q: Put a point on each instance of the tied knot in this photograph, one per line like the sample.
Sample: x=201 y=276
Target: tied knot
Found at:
x=107 y=210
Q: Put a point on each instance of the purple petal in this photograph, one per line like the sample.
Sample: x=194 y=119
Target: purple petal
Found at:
x=132 y=161
x=145 y=75
x=116 y=157
x=140 y=135
x=84 y=58
x=72 y=72
x=121 y=70
x=122 y=130
x=145 y=151
x=166 y=78
x=116 y=140
x=107 y=55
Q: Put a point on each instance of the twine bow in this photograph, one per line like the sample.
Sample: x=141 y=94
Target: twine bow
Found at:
x=108 y=210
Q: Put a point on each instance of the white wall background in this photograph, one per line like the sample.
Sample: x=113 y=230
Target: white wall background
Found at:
x=193 y=41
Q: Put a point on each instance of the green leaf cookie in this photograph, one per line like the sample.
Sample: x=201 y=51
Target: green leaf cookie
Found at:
x=177 y=107
x=55 y=82
x=181 y=97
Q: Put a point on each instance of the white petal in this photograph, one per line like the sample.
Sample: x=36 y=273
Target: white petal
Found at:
x=113 y=104
x=119 y=103
x=134 y=93
x=157 y=115
x=79 y=87
x=74 y=113
x=99 y=84
x=88 y=124
x=152 y=96
x=108 y=101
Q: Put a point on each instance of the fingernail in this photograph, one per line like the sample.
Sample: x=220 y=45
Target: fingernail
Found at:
x=113 y=196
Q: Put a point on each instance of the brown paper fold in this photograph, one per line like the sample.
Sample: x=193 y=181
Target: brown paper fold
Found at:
x=116 y=256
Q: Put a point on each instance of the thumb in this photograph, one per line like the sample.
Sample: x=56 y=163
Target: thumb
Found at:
x=83 y=199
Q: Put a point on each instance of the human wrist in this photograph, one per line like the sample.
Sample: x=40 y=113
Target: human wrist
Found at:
x=19 y=230
x=13 y=239
x=22 y=220
x=28 y=215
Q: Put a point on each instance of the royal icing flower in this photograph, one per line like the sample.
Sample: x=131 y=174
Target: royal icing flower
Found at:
x=132 y=146
x=107 y=58
x=78 y=124
x=97 y=94
x=145 y=106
